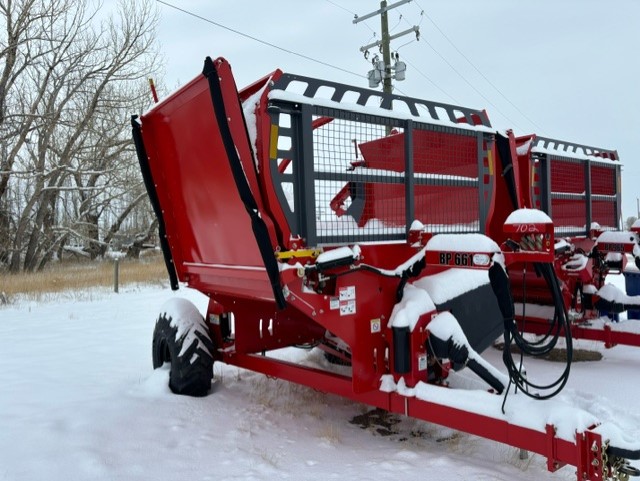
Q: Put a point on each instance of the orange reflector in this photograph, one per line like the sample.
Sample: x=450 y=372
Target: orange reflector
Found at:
x=273 y=146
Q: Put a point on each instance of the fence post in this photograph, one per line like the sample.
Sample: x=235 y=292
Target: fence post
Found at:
x=116 y=274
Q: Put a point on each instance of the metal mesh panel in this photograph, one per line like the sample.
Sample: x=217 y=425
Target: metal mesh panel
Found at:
x=349 y=186
x=569 y=216
x=567 y=177
x=361 y=182
x=449 y=164
x=576 y=185
x=604 y=206
x=345 y=177
x=568 y=197
x=603 y=179
x=605 y=214
x=570 y=201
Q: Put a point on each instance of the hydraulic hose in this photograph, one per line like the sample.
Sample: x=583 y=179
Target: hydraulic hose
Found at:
x=500 y=284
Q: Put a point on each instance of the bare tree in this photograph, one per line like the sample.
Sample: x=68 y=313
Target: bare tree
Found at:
x=68 y=166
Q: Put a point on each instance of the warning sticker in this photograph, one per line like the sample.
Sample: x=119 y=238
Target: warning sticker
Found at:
x=347 y=293
x=347 y=307
x=376 y=325
x=334 y=303
x=347 y=300
x=422 y=362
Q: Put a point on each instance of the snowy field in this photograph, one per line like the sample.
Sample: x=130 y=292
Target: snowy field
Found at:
x=79 y=400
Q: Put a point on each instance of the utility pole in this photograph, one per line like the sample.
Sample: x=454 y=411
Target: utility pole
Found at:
x=386 y=48
x=383 y=71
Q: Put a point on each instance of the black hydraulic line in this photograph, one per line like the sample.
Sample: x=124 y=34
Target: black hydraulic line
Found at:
x=625 y=454
x=540 y=347
x=562 y=322
x=258 y=225
x=364 y=267
x=412 y=271
x=500 y=284
x=553 y=325
x=143 y=160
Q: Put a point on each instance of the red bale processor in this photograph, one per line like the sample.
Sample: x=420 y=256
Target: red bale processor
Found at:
x=578 y=186
x=372 y=226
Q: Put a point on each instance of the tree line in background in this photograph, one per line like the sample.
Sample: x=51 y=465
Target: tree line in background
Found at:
x=71 y=75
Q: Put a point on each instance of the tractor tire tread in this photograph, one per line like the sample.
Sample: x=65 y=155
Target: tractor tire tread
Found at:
x=190 y=373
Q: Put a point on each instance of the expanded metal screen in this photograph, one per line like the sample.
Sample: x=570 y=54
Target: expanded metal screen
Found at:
x=346 y=177
x=605 y=195
x=568 y=195
x=578 y=186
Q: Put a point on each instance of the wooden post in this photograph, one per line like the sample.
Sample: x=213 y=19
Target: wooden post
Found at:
x=116 y=275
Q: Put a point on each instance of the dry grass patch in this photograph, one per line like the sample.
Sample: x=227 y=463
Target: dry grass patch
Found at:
x=73 y=276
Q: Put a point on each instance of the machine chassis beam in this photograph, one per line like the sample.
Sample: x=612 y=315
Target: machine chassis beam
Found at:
x=584 y=453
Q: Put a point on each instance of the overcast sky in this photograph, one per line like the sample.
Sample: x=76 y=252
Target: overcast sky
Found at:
x=565 y=69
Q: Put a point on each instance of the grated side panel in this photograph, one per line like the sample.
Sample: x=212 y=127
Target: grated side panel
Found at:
x=568 y=196
x=345 y=177
x=603 y=179
x=371 y=166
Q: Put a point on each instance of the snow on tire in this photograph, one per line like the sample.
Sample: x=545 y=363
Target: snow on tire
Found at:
x=182 y=338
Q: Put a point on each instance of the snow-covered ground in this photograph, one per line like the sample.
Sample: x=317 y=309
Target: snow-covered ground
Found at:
x=80 y=400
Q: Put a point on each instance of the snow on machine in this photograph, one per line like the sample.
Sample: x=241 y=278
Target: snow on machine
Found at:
x=372 y=226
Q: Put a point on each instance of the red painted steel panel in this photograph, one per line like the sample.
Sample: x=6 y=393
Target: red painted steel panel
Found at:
x=208 y=227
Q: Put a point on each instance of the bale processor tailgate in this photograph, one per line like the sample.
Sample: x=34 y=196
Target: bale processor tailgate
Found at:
x=214 y=223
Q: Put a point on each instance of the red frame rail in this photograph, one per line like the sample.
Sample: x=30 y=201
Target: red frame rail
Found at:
x=585 y=453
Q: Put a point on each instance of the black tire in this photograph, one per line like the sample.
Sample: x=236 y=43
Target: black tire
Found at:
x=192 y=370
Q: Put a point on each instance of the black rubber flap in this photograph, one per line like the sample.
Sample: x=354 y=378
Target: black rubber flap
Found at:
x=259 y=227
x=478 y=314
x=155 y=203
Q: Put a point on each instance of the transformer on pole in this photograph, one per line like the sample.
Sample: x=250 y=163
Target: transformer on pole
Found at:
x=382 y=70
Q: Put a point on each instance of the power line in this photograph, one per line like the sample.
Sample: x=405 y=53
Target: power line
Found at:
x=397 y=24
x=471 y=85
x=342 y=8
x=355 y=15
x=422 y=13
x=311 y=59
x=430 y=80
x=467 y=82
x=255 y=39
x=397 y=49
